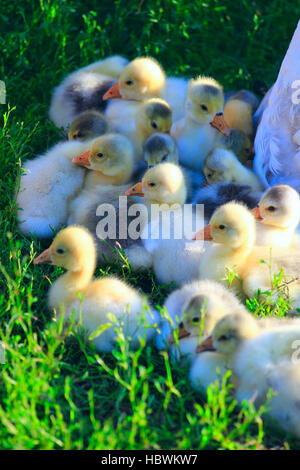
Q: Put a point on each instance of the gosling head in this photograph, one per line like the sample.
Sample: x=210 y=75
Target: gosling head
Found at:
x=229 y=334
x=110 y=154
x=162 y=184
x=154 y=115
x=72 y=248
x=279 y=207
x=160 y=148
x=88 y=125
x=221 y=165
x=198 y=316
x=141 y=79
x=239 y=115
x=232 y=225
x=204 y=99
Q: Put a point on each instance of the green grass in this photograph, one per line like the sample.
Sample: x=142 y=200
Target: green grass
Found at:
x=55 y=391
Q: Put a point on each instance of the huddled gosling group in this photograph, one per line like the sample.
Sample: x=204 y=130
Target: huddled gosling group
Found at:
x=134 y=134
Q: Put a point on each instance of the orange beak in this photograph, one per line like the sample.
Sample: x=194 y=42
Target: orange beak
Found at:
x=205 y=183
x=206 y=345
x=44 y=257
x=113 y=92
x=83 y=159
x=203 y=234
x=257 y=214
x=220 y=124
x=182 y=333
x=136 y=190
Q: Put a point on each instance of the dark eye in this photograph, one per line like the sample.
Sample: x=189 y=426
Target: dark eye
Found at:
x=80 y=135
x=100 y=155
x=221 y=227
x=271 y=208
x=60 y=251
x=152 y=184
x=129 y=82
x=205 y=108
x=154 y=125
x=195 y=319
x=164 y=158
x=224 y=338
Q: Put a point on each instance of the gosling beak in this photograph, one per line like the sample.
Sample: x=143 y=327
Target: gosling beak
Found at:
x=206 y=345
x=136 y=190
x=182 y=333
x=219 y=123
x=44 y=257
x=83 y=159
x=167 y=132
x=205 y=183
x=203 y=234
x=257 y=214
x=113 y=92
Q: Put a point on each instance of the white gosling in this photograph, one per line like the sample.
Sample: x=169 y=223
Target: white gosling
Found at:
x=49 y=183
x=194 y=135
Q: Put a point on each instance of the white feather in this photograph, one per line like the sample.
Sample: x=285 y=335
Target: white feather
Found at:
x=276 y=148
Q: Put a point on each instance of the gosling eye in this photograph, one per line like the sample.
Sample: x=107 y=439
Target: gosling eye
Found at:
x=195 y=319
x=204 y=107
x=129 y=82
x=271 y=209
x=152 y=184
x=154 y=125
x=221 y=227
x=60 y=251
x=100 y=155
x=80 y=135
x=164 y=158
x=224 y=338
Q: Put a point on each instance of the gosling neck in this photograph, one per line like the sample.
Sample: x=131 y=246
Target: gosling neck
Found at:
x=192 y=121
x=65 y=289
x=239 y=252
x=142 y=133
x=95 y=178
x=163 y=205
x=80 y=279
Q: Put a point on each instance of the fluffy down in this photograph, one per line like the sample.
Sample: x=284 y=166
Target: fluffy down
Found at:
x=50 y=181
